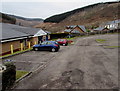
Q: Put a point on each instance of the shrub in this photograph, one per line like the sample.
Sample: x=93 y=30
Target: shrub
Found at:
x=8 y=76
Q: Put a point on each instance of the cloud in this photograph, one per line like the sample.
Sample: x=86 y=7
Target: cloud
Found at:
x=56 y=0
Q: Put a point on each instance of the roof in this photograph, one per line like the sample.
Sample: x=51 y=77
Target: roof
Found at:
x=67 y=30
x=110 y=22
x=99 y=29
x=75 y=31
x=12 y=31
x=8 y=31
x=40 y=33
x=80 y=26
x=26 y=30
x=113 y=22
x=48 y=32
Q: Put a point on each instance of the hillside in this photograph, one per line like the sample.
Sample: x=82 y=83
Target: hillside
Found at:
x=28 y=22
x=27 y=19
x=7 y=19
x=90 y=16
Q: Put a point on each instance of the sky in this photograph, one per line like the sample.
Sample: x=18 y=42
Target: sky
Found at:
x=43 y=8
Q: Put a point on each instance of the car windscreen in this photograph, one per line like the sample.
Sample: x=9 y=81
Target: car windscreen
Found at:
x=56 y=43
x=59 y=40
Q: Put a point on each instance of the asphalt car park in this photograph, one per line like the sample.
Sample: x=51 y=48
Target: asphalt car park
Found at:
x=87 y=64
x=32 y=60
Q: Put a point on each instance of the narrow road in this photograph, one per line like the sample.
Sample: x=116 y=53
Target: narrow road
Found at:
x=84 y=65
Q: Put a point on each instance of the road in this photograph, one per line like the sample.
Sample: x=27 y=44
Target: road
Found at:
x=85 y=65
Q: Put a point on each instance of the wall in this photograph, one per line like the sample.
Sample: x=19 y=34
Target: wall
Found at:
x=33 y=40
x=6 y=46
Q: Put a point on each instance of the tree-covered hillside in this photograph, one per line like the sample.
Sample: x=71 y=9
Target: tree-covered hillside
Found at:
x=58 y=18
x=7 y=19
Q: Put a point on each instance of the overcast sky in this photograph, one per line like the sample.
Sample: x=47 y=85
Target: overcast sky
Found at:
x=43 y=8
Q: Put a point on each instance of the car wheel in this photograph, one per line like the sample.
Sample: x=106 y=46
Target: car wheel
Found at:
x=36 y=49
x=64 y=44
x=53 y=50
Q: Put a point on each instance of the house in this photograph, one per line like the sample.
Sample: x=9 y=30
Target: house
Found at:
x=19 y=38
x=100 y=29
x=75 y=29
x=112 y=25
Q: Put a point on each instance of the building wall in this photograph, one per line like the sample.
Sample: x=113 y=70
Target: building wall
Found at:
x=6 y=47
x=33 y=40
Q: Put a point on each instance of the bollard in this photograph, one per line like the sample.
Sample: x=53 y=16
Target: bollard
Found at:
x=11 y=49
x=35 y=43
x=29 y=45
x=21 y=46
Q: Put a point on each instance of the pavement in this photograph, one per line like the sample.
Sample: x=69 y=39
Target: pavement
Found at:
x=85 y=65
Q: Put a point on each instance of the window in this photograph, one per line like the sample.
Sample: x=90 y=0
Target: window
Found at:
x=44 y=43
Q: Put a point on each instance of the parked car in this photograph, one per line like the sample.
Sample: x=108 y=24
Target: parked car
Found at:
x=47 y=46
x=62 y=42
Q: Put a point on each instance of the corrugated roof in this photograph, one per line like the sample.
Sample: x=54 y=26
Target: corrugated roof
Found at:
x=8 y=31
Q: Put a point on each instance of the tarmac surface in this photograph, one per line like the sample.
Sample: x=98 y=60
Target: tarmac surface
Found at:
x=85 y=65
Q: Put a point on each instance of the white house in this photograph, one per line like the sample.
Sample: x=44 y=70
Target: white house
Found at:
x=111 y=25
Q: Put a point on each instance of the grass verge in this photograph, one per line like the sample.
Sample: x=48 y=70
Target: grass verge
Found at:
x=19 y=74
x=101 y=40
x=112 y=47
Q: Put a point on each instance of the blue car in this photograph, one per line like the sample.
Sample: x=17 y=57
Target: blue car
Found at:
x=47 y=46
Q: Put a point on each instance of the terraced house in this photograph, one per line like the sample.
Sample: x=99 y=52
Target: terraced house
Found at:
x=17 y=38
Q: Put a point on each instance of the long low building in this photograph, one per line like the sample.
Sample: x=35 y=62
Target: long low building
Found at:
x=15 y=38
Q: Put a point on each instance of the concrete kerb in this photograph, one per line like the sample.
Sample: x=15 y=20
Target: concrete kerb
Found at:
x=31 y=72
x=17 y=81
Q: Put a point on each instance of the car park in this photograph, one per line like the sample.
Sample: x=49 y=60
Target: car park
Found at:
x=47 y=46
x=63 y=42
